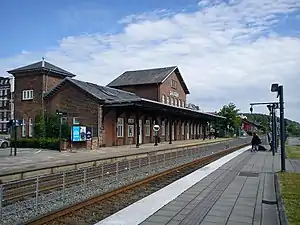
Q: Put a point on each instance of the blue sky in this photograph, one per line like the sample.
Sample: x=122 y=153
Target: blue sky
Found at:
x=37 y=25
x=227 y=51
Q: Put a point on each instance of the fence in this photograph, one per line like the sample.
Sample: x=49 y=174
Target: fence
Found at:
x=33 y=192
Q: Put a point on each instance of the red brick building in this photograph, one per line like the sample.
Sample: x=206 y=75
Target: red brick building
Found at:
x=121 y=113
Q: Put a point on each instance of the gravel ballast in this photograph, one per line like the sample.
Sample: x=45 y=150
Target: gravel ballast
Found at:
x=21 y=212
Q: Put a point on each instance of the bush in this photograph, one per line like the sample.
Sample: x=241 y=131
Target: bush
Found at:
x=45 y=143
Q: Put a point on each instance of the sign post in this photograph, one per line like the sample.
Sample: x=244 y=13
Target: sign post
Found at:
x=156 y=129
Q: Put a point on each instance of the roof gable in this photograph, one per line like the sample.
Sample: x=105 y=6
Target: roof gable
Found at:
x=42 y=65
x=146 y=76
x=101 y=93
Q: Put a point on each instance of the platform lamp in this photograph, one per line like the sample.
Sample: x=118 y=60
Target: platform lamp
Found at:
x=272 y=114
x=279 y=89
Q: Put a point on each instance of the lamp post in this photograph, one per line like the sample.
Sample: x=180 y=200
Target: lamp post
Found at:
x=279 y=89
x=271 y=106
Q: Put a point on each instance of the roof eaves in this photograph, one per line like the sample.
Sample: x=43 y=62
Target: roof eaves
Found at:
x=177 y=107
x=169 y=74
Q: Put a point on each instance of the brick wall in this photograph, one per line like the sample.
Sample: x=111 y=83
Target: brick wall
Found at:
x=165 y=89
x=76 y=103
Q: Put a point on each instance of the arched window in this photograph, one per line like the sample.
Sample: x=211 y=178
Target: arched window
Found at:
x=172 y=101
x=180 y=103
x=168 y=100
x=177 y=103
x=163 y=99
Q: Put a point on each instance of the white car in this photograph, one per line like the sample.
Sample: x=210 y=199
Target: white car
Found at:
x=4 y=143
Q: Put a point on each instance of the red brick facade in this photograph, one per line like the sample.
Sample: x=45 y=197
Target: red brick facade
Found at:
x=112 y=126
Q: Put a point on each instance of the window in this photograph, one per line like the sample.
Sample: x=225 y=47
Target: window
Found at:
x=173 y=84
x=168 y=100
x=120 y=127
x=179 y=103
x=182 y=129
x=163 y=131
x=176 y=100
x=23 y=129
x=130 y=130
x=147 y=128
x=172 y=101
x=76 y=120
x=27 y=95
x=163 y=99
x=183 y=103
x=64 y=120
x=30 y=132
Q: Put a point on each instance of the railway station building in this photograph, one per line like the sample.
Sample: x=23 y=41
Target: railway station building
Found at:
x=120 y=113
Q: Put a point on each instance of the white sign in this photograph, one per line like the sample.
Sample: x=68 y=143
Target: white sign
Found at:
x=156 y=128
x=174 y=93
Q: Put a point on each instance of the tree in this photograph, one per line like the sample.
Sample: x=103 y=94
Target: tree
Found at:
x=39 y=126
x=49 y=126
x=232 y=121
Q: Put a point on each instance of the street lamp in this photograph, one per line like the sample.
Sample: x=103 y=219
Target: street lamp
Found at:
x=279 y=89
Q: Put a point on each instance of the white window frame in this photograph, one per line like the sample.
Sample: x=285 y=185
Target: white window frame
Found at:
x=30 y=130
x=168 y=100
x=23 y=128
x=120 y=127
x=163 y=128
x=27 y=94
x=75 y=120
x=130 y=127
x=147 y=128
x=64 y=119
x=163 y=99
x=174 y=84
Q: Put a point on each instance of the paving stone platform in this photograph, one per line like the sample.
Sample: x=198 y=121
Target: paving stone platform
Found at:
x=241 y=192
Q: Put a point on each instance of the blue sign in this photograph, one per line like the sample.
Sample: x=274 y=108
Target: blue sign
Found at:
x=76 y=133
x=88 y=133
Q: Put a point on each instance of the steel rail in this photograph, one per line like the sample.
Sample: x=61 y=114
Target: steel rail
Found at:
x=54 y=216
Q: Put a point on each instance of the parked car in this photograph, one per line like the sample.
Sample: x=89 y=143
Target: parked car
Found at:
x=4 y=143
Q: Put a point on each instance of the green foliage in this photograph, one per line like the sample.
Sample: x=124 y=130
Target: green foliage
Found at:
x=46 y=143
x=292 y=127
x=39 y=126
x=49 y=127
x=232 y=121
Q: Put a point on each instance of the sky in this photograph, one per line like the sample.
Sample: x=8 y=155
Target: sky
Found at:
x=227 y=51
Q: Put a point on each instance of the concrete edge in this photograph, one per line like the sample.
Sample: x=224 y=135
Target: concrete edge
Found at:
x=280 y=206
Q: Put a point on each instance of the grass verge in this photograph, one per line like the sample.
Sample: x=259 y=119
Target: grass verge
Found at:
x=290 y=193
x=293 y=152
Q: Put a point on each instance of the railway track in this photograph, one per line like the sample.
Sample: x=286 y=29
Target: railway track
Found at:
x=22 y=190
x=100 y=207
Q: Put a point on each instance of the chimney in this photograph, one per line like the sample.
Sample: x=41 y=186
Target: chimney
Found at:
x=43 y=62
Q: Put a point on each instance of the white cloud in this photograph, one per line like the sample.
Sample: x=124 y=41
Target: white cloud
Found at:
x=226 y=52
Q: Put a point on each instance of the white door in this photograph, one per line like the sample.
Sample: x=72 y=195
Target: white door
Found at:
x=173 y=131
x=187 y=131
x=140 y=131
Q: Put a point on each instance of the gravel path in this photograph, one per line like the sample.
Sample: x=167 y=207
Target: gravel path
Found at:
x=21 y=212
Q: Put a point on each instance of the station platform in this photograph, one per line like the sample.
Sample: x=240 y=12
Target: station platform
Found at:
x=34 y=159
x=229 y=191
